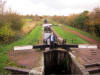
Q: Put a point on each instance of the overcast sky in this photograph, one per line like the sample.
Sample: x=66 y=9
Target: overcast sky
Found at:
x=52 y=7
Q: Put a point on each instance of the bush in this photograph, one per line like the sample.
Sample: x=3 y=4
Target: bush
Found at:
x=6 y=33
x=9 y=25
x=16 y=21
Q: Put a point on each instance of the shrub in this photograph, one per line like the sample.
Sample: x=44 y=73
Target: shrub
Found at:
x=16 y=21
x=6 y=33
x=10 y=24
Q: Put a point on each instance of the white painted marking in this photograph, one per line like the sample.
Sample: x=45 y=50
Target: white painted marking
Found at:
x=82 y=46
x=87 y=46
x=92 y=46
x=23 y=47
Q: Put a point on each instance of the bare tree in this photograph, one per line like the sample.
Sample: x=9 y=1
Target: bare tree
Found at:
x=2 y=6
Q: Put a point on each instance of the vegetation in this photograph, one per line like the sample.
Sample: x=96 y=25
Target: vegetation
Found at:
x=33 y=17
x=82 y=32
x=10 y=24
x=31 y=39
x=28 y=26
x=86 y=21
x=70 y=37
x=13 y=25
x=28 y=39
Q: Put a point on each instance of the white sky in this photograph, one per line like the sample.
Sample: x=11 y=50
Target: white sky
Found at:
x=52 y=7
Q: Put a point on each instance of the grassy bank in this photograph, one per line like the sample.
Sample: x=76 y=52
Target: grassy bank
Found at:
x=84 y=33
x=29 y=39
x=70 y=37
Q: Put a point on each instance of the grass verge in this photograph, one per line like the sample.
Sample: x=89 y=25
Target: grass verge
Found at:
x=83 y=32
x=70 y=37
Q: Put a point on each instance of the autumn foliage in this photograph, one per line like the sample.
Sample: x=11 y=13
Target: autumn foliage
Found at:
x=86 y=21
x=10 y=24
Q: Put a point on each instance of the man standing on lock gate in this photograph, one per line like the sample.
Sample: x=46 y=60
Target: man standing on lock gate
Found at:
x=53 y=40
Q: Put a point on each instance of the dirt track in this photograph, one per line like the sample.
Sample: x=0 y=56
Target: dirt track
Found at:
x=28 y=27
